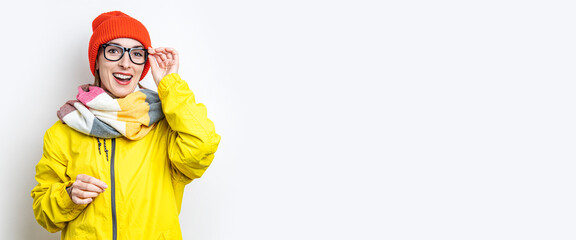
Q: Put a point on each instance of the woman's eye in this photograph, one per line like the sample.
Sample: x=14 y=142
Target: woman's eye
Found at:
x=112 y=50
x=138 y=53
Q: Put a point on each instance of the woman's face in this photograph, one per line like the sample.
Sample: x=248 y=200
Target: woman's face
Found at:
x=121 y=77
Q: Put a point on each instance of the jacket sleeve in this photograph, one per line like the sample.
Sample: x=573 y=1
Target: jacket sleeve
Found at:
x=52 y=206
x=192 y=138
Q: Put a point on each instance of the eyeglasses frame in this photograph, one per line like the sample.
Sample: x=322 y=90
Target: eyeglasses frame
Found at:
x=124 y=50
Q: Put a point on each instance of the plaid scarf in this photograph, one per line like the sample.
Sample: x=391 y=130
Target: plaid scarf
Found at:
x=97 y=114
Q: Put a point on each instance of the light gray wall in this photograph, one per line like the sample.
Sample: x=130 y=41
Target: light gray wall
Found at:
x=339 y=119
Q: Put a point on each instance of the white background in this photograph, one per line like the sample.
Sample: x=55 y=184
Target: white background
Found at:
x=339 y=119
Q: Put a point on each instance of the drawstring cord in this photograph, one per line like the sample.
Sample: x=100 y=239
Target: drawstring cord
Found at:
x=105 y=149
x=99 y=152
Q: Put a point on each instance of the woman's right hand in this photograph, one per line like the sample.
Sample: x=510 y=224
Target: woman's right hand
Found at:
x=163 y=61
x=85 y=189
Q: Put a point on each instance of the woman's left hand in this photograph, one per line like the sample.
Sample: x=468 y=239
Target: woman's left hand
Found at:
x=163 y=61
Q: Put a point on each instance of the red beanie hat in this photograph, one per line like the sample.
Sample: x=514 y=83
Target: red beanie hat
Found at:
x=112 y=25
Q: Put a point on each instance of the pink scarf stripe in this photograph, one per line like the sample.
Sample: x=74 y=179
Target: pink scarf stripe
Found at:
x=87 y=93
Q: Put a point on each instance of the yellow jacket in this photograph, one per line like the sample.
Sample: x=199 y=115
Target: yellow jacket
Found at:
x=145 y=178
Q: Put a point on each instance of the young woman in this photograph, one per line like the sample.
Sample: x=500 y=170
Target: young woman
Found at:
x=115 y=165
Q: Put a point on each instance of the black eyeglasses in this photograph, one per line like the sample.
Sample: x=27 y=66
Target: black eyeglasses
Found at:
x=114 y=52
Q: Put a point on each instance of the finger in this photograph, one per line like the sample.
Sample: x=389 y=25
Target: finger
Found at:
x=82 y=177
x=95 y=181
x=158 y=51
x=84 y=194
x=158 y=60
x=174 y=53
x=161 y=55
x=83 y=186
x=91 y=180
x=153 y=61
x=169 y=53
x=151 y=50
x=81 y=201
x=158 y=57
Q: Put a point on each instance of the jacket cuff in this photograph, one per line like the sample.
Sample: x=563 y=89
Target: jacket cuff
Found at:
x=65 y=202
x=167 y=81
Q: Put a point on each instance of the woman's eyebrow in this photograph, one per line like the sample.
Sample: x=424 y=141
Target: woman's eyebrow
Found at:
x=136 y=46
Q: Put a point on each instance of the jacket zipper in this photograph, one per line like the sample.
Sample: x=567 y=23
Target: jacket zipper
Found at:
x=112 y=189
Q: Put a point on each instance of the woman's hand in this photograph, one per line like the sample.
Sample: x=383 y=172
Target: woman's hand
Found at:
x=163 y=61
x=85 y=189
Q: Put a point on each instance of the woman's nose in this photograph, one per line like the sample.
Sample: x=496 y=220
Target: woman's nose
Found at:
x=124 y=60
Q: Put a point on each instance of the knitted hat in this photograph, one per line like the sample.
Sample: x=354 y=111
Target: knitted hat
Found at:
x=112 y=25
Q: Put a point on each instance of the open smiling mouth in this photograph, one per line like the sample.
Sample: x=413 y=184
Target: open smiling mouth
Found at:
x=122 y=78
